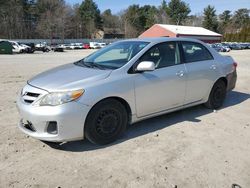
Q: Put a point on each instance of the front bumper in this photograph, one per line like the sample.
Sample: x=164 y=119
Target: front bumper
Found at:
x=70 y=119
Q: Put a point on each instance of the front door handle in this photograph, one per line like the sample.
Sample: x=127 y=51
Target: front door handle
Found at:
x=213 y=67
x=180 y=73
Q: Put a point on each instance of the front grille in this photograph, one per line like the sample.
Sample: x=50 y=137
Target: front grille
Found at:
x=30 y=97
x=28 y=101
x=32 y=94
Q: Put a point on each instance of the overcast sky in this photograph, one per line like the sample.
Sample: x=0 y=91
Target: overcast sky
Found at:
x=196 y=6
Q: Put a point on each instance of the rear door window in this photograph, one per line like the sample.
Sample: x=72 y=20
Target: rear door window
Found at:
x=195 y=52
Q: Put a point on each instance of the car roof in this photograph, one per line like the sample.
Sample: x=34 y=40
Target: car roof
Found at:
x=163 y=39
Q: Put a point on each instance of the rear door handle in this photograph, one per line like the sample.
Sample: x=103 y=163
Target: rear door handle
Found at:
x=213 y=67
x=180 y=73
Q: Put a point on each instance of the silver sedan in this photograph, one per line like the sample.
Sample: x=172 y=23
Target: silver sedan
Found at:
x=125 y=82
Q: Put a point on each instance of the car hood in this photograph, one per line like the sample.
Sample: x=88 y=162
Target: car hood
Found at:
x=67 y=77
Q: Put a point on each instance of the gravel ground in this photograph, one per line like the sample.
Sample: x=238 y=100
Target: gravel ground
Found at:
x=192 y=148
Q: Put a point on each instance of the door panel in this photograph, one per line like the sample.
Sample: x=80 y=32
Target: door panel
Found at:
x=160 y=90
x=200 y=79
x=201 y=71
x=163 y=88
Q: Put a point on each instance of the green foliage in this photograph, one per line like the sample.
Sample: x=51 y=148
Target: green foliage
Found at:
x=178 y=11
x=241 y=18
x=54 y=18
x=90 y=16
x=225 y=20
x=210 y=19
x=148 y=16
x=110 y=20
x=164 y=5
x=242 y=36
x=50 y=19
x=138 y=19
x=225 y=17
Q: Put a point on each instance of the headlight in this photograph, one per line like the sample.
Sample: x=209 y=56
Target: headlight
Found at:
x=57 y=98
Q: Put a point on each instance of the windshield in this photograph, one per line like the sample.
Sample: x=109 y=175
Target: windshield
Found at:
x=115 y=55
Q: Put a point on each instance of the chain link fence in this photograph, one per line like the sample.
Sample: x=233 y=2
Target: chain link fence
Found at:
x=65 y=41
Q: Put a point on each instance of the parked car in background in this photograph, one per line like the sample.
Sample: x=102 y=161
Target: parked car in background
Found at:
x=102 y=45
x=27 y=49
x=245 y=45
x=217 y=48
x=235 y=46
x=73 y=46
x=78 y=46
x=57 y=48
x=42 y=47
x=94 y=45
x=224 y=48
x=126 y=82
x=86 y=46
x=17 y=48
x=67 y=46
x=32 y=47
x=62 y=46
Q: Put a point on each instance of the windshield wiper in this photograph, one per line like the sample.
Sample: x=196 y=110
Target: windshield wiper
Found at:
x=98 y=66
x=82 y=64
x=91 y=65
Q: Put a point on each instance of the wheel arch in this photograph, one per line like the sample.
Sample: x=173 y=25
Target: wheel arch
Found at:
x=208 y=102
x=224 y=79
x=121 y=100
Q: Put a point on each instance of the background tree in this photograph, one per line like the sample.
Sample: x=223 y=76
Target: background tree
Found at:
x=162 y=16
x=225 y=17
x=178 y=11
x=194 y=20
x=241 y=18
x=90 y=17
x=225 y=20
x=21 y=19
x=29 y=18
x=132 y=23
x=52 y=18
x=210 y=19
x=138 y=19
x=110 y=20
x=11 y=14
x=148 y=16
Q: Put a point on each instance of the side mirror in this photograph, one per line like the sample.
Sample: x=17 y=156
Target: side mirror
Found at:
x=145 y=66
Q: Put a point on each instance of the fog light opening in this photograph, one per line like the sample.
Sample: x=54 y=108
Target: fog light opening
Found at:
x=52 y=127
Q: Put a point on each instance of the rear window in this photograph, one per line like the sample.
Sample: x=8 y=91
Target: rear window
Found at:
x=195 y=52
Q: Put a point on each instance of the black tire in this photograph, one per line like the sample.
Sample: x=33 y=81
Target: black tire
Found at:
x=106 y=122
x=217 y=95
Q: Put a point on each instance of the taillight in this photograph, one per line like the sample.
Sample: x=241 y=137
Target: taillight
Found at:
x=235 y=65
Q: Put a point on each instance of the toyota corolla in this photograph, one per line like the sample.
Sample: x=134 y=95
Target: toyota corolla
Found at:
x=125 y=82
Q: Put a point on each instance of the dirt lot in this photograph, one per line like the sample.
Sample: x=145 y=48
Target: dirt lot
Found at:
x=192 y=148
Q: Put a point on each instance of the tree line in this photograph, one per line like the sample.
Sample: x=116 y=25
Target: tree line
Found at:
x=26 y=19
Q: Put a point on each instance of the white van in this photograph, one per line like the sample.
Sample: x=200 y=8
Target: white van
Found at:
x=94 y=45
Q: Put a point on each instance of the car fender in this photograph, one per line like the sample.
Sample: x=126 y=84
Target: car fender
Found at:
x=117 y=87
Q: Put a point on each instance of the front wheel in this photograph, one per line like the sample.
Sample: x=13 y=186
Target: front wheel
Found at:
x=106 y=121
x=217 y=95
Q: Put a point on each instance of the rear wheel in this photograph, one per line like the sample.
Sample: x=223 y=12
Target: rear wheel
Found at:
x=217 y=95
x=106 y=121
